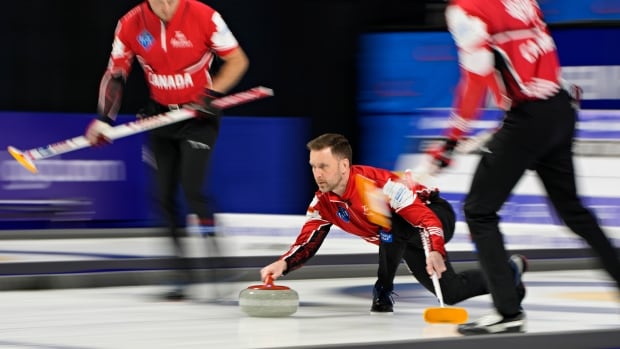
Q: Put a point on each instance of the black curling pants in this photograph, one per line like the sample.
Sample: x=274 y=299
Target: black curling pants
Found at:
x=539 y=136
x=182 y=153
x=407 y=244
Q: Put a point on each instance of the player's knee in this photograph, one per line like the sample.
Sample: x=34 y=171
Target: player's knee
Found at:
x=471 y=210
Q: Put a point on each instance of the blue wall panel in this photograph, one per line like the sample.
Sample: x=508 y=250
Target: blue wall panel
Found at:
x=259 y=165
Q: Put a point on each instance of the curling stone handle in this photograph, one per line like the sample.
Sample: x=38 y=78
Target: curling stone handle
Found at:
x=269 y=285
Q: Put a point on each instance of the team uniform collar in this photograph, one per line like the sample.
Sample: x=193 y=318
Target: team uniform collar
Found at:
x=349 y=191
x=175 y=18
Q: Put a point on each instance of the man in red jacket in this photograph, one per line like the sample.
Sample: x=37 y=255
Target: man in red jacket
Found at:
x=505 y=48
x=175 y=42
x=415 y=211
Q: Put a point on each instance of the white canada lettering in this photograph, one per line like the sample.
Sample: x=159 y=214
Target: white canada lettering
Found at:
x=171 y=82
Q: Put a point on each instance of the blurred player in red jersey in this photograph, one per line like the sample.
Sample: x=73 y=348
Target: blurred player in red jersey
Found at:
x=175 y=43
x=413 y=210
x=505 y=48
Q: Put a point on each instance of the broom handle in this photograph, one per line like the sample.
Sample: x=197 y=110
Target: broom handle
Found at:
x=437 y=289
x=434 y=276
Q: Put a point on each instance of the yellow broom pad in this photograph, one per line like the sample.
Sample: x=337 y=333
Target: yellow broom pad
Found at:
x=22 y=159
x=445 y=315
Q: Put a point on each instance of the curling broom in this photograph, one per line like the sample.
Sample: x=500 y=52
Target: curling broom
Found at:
x=379 y=213
x=441 y=314
x=27 y=157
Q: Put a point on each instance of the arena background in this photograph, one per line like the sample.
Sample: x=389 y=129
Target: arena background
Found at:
x=312 y=53
x=355 y=67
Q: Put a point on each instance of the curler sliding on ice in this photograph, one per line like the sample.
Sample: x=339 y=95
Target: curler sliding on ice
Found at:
x=27 y=157
x=343 y=198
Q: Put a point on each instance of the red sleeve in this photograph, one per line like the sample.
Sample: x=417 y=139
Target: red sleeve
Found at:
x=469 y=29
x=419 y=215
x=408 y=203
x=219 y=36
x=309 y=240
x=115 y=76
x=469 y=95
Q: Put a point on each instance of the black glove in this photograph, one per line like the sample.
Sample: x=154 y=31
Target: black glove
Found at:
x=575 y=92
x=149 y=109
x=203 y=102
x=442 y=154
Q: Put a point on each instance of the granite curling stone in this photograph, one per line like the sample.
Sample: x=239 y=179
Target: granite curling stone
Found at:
x=268 y=300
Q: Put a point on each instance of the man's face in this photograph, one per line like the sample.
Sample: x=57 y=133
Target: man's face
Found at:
x=164 y=9
x=330 y=173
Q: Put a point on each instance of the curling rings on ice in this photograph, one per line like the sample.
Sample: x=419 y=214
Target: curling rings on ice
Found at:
x=268 y=300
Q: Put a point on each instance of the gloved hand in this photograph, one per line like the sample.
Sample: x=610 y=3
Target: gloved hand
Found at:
x=203 y=102
x=149 y=109
x=574 y=91
x=94 y=132
x=441 y=155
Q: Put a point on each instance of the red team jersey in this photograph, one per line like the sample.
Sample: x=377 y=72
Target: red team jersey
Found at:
x=348 y=213
x=175 y=56
x=507 y=35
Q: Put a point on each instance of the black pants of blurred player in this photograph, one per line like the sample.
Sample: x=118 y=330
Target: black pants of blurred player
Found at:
x=407 y=245
x=539 y=136
x=182 y=153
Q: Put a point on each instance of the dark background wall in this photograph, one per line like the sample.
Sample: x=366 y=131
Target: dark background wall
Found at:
x=55 y=51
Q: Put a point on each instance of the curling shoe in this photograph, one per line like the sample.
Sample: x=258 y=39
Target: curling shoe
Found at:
x=494 y=324
x=519 y=266
x=382 y=302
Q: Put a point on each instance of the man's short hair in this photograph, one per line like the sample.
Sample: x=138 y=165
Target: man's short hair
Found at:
x=338 y=143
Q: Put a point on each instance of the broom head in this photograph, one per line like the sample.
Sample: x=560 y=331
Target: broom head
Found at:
x=445 y=315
